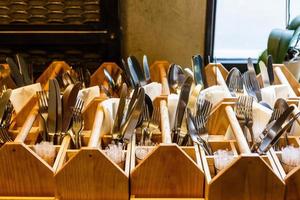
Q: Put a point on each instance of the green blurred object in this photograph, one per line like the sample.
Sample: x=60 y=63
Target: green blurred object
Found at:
x=280 y=41
x=295 y=23
x=262 y=57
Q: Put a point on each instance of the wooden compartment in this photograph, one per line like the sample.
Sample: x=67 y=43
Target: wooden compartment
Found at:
x=168 y=170
x=24 y=173
x=291 y=178
x=284 y=76
x=249 y=176
x=89 y=173
x=158 y=73
x=54 y=69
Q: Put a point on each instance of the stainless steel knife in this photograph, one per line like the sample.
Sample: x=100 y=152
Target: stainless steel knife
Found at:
x=131 y=103
x=254 y=82
x=133 y=72
x=181 y=107
x=58 y=107
x=120 y=111
x=52 y=108
x=146 y=68
x=197 y=65
x=24 y=69
x=270 y=69
x=273 y=131
x=15 y=72
x=127 y=129
x=69 y=101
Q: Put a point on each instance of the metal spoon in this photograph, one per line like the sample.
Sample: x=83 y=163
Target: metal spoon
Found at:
x=176 y=78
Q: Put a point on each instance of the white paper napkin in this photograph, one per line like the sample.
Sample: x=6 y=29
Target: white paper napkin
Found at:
x=271 y=93
x=153 y=90
x=88 y=94
x=21 y=96
x=109 y=109
x=172 y=106
x=215 y=94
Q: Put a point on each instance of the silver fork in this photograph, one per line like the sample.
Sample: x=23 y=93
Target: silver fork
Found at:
x=153 y=124
x=203 y=110
x=239 y=112
x=43 y=111
x=249 y=115
x=77 y=124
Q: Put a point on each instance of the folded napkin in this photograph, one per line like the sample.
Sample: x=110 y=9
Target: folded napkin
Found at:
x=215 y=94
x=153 y=90
x=21 y=96
x=88 y=94
x=271 y=93
x=172 y=107
x=261 y=116
x=110 y=107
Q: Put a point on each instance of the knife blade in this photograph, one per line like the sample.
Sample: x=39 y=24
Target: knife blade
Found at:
x=24 y=69
x=69 y=100
x=146 y=68
x=127 y=75
x=120 y=110
x=272 y=131
x=270 y=69
x=127 y=129
x=181 y=107
x=15 y=72
x=197 y=65
x=131 y=103
x=52 y=108
x=58 y=107
x=3 y=102
x=133 y=72
x=254 y=82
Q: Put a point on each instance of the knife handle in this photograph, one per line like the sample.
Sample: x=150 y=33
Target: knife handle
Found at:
x=96 y=130
x=237 y=131
x=27 y=125
x=164 y=80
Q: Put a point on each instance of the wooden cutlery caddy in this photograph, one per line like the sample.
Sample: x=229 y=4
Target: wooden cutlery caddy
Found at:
x=159 y=174
x=168 y=171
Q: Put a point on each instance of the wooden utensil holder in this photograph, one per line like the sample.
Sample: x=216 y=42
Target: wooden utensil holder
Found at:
x=168 y=171
x=89 y=173
x=52 y=71
x=291 y=178
x=98 y=77
x=217 y=74
x=158 y=73
x=249 y=176
x=24 y=173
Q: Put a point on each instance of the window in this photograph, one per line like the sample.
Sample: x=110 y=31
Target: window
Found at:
x=242 y=27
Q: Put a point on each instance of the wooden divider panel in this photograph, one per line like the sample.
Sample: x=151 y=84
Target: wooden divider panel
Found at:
x=54 y=68
x=248 y=177
x=90 y=174
x=98 y=76
x=159 y=73
x=23 y=173
x=167 y=172
x=292 y=181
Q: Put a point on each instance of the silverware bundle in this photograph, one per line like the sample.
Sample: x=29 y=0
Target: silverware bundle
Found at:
x=126 y=119
x=60 y=114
